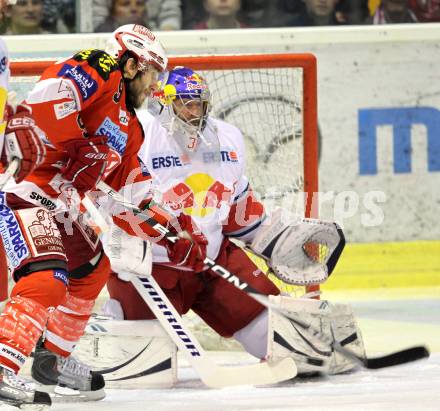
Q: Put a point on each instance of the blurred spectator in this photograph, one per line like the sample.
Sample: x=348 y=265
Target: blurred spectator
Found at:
x=392 y=11
x=221 y=14
x=352 y=11
x=59 y=16
x=165 y=14
x=426 y=10
x=257 y=13
x=318 y=13
x=192 y=12
x=157 y=14
x=283 y=12
x=25 y=17
x=124 y=12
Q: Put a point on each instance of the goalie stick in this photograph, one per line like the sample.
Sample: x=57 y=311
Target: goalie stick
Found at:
x=211 y=374
x=396 y=358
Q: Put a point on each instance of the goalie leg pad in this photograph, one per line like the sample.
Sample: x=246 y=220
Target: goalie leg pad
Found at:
x=286 y=339
x=345 y=331
x=335 y=322
x=130 y=354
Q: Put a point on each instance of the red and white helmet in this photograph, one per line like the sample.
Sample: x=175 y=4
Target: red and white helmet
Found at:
x=141 y=42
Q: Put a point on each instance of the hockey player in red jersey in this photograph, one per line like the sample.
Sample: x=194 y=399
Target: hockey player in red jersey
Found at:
x=87 y=264
x=85 y=106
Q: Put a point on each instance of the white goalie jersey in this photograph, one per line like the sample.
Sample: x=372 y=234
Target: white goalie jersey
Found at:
x=209 y=184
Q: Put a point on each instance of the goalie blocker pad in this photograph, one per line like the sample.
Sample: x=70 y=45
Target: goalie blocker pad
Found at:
x=336 y=322
x=127 y=254
x=300 y=251
x=129 y=354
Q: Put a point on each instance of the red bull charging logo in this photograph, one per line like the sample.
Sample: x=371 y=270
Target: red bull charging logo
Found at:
x=199 y=195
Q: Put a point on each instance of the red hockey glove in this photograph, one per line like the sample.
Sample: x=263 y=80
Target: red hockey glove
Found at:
x=87 y=162
x=22 y=142
x=190 y=250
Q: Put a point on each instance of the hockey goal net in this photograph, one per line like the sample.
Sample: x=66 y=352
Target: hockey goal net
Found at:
x=272 y=99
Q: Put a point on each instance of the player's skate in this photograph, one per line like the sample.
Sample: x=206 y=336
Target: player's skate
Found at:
x=66 y=379
x=21 y=393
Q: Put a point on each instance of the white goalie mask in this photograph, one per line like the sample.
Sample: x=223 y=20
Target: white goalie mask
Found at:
x=186 y=99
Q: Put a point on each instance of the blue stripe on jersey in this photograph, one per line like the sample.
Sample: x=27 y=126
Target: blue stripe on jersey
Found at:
x=144 y=168
x=241 y=194
x=246 y=230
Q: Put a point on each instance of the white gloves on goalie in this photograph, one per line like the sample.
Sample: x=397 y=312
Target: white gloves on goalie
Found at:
x=300 y=251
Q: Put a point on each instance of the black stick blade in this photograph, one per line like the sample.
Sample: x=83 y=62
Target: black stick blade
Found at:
x=397 y=358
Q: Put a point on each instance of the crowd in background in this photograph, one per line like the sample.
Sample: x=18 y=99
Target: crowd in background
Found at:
x=59 y=16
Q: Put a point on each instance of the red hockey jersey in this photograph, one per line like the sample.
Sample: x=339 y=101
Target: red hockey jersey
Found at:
x=76 y=98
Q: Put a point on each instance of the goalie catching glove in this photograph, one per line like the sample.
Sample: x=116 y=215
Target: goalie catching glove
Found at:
x=300 y=251
x=22 y=142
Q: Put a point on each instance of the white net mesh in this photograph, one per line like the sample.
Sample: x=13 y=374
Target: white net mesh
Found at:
x=266 y=105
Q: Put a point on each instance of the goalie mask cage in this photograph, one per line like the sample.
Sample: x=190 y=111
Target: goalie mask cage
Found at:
x=272 y=99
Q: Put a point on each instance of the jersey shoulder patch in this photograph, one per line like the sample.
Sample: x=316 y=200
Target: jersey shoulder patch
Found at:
x=103 y=63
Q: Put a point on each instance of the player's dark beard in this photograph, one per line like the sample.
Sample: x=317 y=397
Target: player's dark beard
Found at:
x=132 y=98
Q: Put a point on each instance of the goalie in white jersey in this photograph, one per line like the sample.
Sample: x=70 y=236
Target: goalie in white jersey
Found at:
x=197 y=168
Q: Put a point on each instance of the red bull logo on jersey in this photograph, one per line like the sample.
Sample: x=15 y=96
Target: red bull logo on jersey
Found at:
x=199 y=195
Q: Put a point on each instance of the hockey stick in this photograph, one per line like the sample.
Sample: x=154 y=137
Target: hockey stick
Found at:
x=396 y=358
x=211 y=374
x=9 y=172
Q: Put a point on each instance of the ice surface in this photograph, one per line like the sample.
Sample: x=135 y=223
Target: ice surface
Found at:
x=388 y=323
x=408 y=387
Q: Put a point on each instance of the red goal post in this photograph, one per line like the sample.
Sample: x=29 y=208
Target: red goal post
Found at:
x=272 y=99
